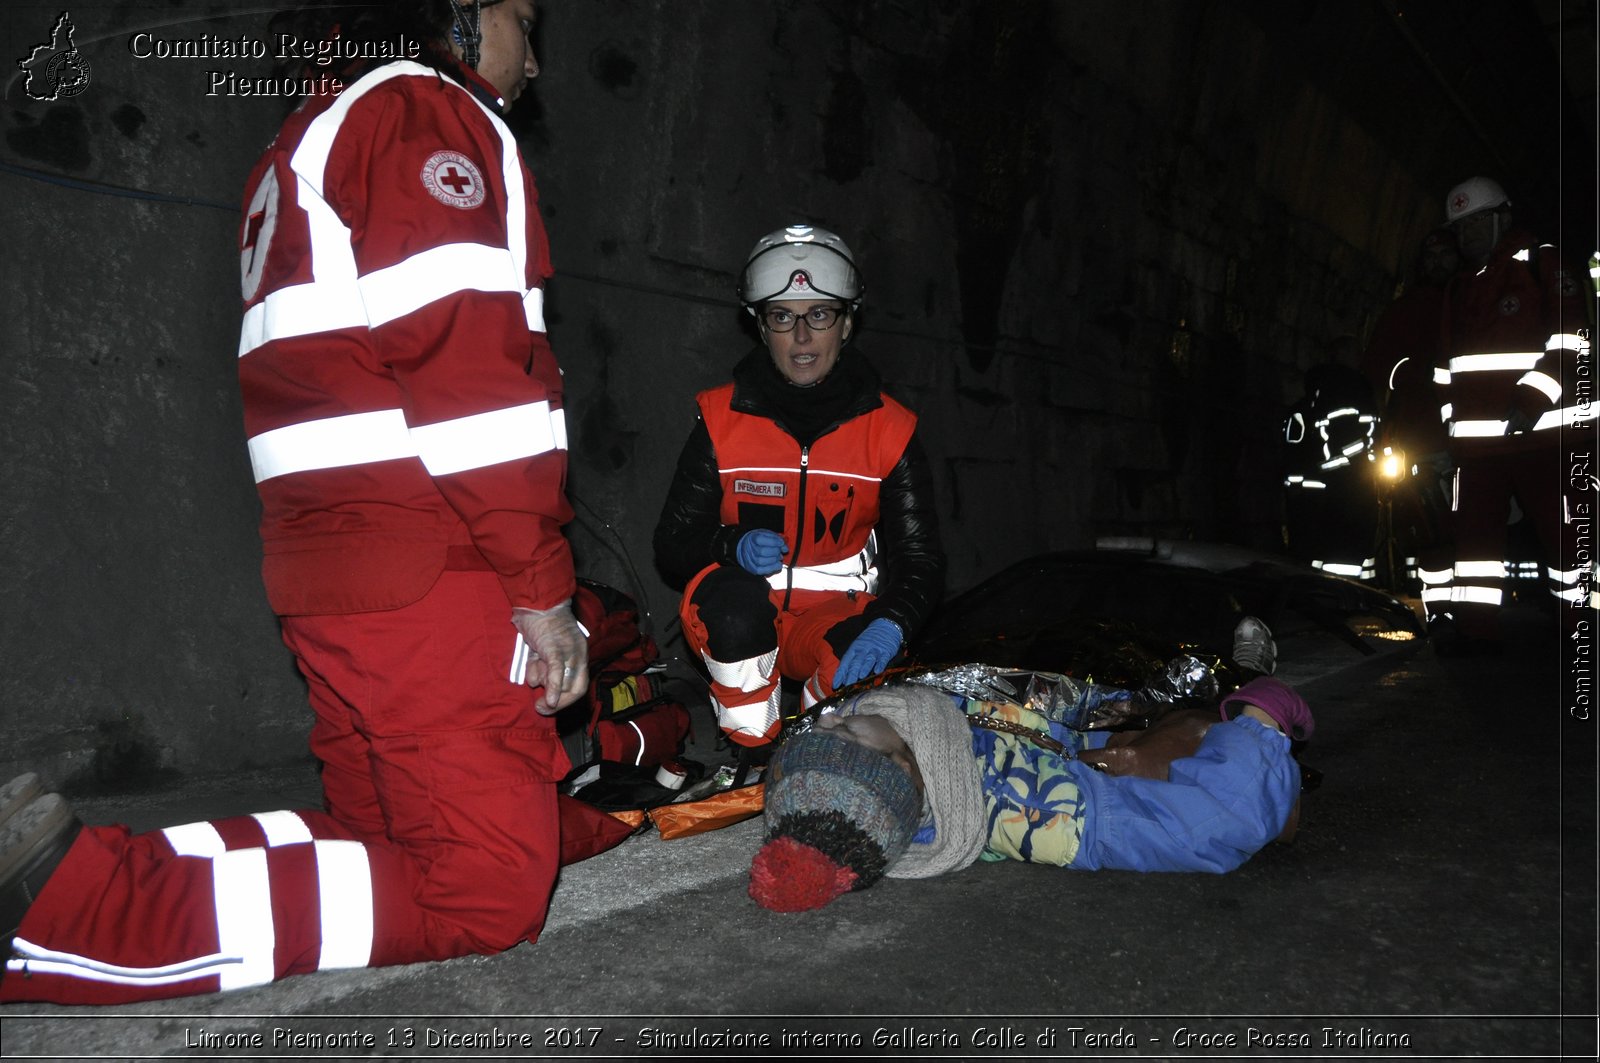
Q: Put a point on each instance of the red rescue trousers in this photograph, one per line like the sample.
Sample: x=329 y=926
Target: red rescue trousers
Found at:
x=1474 y=588
x=440 y=836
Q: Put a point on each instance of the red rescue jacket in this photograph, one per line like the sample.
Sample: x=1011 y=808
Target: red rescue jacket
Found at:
x=403 y=406
x=1516 y=334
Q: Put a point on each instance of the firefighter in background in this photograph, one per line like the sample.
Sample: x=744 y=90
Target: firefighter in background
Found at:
x=1398 y=363
x=801 y=510
x=403 y=411
x=1330 y=495
x=1515 y=332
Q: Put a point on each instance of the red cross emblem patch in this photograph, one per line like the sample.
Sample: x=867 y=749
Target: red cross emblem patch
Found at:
x=1459 y=203
x=801 y=280
x=453 y=179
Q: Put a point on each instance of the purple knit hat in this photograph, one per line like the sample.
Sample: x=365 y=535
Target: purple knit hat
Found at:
x=1276 y=699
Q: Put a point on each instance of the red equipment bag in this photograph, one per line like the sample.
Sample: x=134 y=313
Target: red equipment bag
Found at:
x=630 y=719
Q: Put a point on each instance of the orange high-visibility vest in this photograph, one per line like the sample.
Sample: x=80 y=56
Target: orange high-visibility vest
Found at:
x=823 y=498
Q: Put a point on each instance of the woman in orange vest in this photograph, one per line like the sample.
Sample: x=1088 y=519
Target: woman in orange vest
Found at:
x=801 y=512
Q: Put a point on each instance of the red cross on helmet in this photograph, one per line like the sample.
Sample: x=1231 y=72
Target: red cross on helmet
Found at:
x=800 y=262
x=1473 y=195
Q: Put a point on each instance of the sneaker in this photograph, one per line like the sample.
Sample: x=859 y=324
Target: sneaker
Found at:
x=1253 y=647
x=32 y=843
x=18 y=794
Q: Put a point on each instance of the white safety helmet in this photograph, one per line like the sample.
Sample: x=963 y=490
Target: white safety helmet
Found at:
x=1473 y=195
x=800 y=262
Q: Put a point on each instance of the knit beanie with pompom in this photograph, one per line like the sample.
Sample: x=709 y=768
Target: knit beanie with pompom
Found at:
x=837 y=815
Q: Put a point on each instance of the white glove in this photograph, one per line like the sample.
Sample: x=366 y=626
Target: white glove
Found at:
x=558 y=655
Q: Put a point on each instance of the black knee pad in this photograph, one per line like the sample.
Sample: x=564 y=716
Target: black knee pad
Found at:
x=738 y=616
x=842 y=634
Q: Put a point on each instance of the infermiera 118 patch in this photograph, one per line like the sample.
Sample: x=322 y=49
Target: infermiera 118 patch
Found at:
x=758 y=487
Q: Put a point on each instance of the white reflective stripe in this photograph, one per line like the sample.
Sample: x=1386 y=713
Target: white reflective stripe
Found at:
x=1353 y=448
x=1571 y=595
x=1436 y=594
x=533 y=309
x=748 y=675
x=1477 y=429
x=1338 y=569
x=519 y=659
x=483 y=439
x=1396 y=368
x=330 y=300
x=812 y=471
x=1523 y=256
x=283 y=828
x=1486 y=363
x=1483 y=595
x=331 y=443
x=809 y=694
x=1544 y=382
x=516 y=203
x=811 y=579
x=1343 y=411
x=1566 y=416
x=344 y=892
x=397 y=290
x=195 y=839
x=1441 y=376
x=1435 y=575
x=40 y=960
x=756 y=718
x=1293 y=479
x=1316 y=485
x=242 y=893
x=558 y=427
x=1566 y=341
x=639 y=757
x=1569 y=576
x=1336 y=463
x=1480 y=570
x=1447 y=411
x=849 y=566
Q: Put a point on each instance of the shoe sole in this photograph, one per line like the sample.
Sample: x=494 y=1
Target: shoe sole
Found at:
x=1256 y=636
x=30 y=833
x=18 y=794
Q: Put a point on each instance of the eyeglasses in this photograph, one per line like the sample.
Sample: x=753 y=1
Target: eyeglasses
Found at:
x=818 y=318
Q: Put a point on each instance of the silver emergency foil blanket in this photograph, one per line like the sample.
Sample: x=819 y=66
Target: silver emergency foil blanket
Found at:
x=1079 y=705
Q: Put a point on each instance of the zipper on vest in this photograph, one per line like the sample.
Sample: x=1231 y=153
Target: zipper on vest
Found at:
x=799 y=526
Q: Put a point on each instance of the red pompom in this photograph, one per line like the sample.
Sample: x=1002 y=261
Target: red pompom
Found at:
x=787 y=876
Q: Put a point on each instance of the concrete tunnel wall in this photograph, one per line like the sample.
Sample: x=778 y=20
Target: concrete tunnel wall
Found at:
x=1101 y=241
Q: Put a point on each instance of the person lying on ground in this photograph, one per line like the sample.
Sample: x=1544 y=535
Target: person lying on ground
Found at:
x=909 y=781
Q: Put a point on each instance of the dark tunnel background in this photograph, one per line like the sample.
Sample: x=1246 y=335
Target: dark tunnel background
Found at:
x=1101 y=243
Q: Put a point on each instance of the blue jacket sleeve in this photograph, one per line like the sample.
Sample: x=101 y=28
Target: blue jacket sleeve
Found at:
x=1217 y=809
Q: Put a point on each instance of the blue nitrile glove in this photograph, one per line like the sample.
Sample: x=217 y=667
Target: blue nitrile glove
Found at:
x=761 y=551
x=869 y=654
